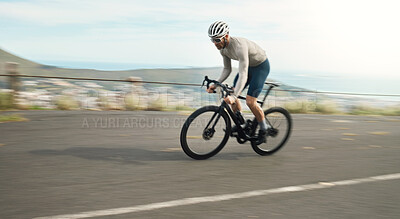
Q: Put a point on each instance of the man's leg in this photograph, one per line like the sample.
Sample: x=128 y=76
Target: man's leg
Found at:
x=259 y=114
x=260 y=74
x=255 y=108
x=236 y=106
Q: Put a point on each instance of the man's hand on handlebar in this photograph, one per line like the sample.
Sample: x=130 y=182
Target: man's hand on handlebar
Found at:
x=211 y=88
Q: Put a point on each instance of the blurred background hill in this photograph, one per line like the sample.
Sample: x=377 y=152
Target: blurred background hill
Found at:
x=68 y=94
x=190 y=75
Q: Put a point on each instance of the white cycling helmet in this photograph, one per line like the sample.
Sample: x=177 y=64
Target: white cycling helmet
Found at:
x=218 y=29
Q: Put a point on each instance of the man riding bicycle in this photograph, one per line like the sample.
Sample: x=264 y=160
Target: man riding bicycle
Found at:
x=253 y=70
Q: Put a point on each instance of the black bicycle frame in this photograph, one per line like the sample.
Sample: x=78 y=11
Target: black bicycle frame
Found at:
x=225 y=106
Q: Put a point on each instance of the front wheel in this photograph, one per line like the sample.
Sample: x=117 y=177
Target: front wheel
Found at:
x=278 y=134
x=205 y=132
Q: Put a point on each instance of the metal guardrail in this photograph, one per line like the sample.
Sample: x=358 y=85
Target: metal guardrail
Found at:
x=100 y=79
x=190 y=84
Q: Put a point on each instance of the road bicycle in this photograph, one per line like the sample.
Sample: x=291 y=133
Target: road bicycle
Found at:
x=207 y=130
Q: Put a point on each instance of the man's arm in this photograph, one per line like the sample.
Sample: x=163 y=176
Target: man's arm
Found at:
x=243 y=70
x=227 y=69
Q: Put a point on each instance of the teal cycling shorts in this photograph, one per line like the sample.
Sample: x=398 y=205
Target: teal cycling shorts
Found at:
x=257 y=76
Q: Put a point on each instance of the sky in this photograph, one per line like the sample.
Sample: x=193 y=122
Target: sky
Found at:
x=349 y=39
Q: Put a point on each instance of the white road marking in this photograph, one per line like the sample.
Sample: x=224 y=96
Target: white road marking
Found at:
x=218 y=198
x=342 y=121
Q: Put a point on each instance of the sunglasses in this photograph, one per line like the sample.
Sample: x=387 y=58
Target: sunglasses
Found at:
x=216 y=40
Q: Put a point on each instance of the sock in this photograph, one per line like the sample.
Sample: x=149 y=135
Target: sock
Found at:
x=263 y=125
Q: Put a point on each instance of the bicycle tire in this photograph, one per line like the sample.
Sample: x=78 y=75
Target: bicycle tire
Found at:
x=258 y=148
x=184 y=137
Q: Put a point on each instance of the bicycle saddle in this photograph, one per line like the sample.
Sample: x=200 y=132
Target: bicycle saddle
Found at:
x=272 y=84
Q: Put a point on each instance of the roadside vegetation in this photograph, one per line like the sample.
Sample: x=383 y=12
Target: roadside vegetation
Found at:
x=322 y=107
x=6 y=101
x=12 y=118
x=66 y=103
x=329 y=107
x=131 y=102
x=369 y=110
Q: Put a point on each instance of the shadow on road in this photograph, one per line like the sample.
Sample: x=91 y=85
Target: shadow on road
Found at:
x=127 y=155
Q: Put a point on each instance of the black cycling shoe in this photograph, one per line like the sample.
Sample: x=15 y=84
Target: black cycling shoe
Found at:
x=262 y=137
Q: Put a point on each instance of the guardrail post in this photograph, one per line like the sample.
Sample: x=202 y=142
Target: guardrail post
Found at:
x=14 y=81
x=136 y=84
x=135 y=81
x=132 y=98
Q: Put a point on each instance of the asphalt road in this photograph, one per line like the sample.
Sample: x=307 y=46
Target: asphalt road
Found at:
x=69 y=162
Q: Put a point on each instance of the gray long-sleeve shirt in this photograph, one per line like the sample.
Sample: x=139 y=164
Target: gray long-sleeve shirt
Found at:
x=247 y=53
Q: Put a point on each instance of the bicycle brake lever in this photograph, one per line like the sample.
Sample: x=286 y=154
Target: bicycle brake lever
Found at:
x=204 y=81
x=202 y=85
x=208 y=83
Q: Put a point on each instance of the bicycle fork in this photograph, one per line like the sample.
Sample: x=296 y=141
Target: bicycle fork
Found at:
x=208 y=133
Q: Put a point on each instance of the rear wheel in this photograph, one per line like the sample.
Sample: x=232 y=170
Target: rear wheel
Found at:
x=205 y=132
x=278 y=134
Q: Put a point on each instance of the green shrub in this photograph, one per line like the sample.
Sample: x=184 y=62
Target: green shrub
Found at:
x=391 y=111
x=103 y=103
x=66 y=103
x=364 y=110
x=12 y=118
x=159 y=104
x=369 y=110
x=6 y=101
x=132 y=102
x=327 y=107
x=182 y=108
x=303 y=106
x=38 y=108
x=306 y=106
